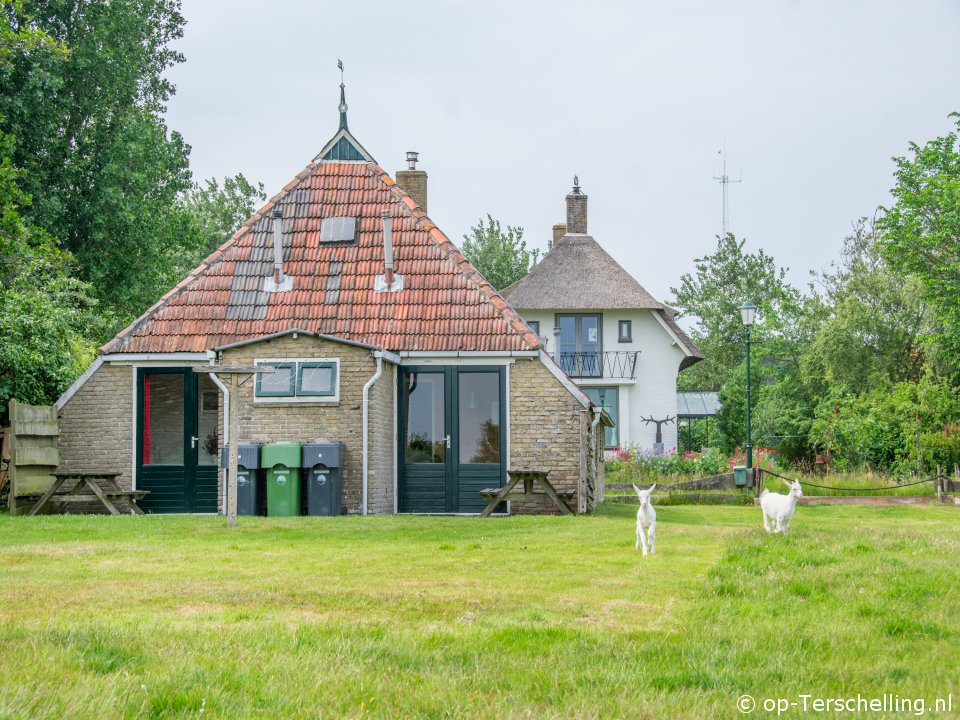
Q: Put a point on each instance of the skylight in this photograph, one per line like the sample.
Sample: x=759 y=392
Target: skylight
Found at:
x=338 y=229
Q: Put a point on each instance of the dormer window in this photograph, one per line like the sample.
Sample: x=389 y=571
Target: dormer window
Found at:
x=338 y=229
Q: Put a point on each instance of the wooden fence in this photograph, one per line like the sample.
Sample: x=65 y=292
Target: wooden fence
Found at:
x=33 y=437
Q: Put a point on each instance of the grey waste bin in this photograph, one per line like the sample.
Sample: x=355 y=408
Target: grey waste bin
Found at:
x=248 y=477
x=740 y=475
x=322 y=463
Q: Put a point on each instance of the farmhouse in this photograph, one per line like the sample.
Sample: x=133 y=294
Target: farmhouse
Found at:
x=619 y=344
x=384 y=338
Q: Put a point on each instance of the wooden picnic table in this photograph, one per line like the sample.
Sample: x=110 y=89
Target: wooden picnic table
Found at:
x=530 y=478
x=87 y=489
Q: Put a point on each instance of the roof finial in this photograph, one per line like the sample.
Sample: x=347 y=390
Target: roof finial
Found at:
x=576 y=185
x=343 y=98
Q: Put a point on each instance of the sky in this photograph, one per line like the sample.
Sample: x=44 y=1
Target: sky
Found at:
x=507 y=101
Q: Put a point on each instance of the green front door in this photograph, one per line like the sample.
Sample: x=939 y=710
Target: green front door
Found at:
x=177 y=440
x=452 y=430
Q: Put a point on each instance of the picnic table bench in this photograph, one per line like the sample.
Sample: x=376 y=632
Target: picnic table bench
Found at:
x=87 y=488
x=495 y=496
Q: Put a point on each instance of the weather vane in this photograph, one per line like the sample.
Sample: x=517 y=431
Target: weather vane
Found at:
x=340 y=65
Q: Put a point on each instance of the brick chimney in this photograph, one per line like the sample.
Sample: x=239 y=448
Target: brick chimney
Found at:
x=414 y=182
x=558 y=232
x=576 y=209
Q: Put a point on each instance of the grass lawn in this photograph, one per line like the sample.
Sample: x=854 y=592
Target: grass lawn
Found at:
x=520 y=617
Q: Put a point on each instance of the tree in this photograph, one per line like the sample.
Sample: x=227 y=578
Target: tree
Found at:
x=502 y=258
x=871 y=322
x=723 y=281
x=102 y=169
x=212 y=214
x=921 y=231
x=46 y=316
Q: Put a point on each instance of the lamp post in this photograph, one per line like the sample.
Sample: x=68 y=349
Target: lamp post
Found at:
x=748 y=313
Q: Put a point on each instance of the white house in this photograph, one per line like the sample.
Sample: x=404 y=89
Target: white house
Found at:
x=618 y=343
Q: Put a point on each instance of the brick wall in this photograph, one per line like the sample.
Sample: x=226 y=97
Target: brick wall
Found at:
x=342 y=420
x=95 y=424
x=547 y=431
x=380 y=492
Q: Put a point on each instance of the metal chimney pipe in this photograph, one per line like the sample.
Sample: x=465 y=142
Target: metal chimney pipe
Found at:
x=387 y=248
x=277 y=246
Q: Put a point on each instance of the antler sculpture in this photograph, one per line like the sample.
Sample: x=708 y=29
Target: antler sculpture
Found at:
x=659 y=424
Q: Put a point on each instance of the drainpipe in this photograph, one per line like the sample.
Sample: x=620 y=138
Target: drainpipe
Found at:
x=596 y=460
x=366 y=432
x=226 y=423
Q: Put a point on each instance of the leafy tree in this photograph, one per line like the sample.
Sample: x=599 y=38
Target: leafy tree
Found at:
x=102 y=169
x=870 y=323
x=211 y=215
x=722 y=282
x=502 y=258
x=46 y=316
x=921 y=232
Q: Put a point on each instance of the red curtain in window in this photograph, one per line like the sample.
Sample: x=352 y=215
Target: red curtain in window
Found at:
x=146 y=419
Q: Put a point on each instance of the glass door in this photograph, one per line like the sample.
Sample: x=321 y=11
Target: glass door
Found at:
x=177 y=441
x=425 y=440
x=452 y=437
x=580 y=345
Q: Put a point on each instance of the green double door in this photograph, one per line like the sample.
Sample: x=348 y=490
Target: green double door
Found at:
x=452 y=437
x=177 y=440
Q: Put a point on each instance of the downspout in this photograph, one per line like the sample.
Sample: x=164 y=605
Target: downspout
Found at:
x=226 y=422
x=366 y=432
x=597 y=412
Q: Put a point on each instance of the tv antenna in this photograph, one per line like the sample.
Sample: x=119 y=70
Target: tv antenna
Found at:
x=725 y=180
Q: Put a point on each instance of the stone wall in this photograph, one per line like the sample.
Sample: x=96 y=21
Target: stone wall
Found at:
x=277 y=421
x=96 y=424
x=546 y=431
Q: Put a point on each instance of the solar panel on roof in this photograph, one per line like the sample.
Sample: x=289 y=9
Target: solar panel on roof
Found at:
x=338 y=229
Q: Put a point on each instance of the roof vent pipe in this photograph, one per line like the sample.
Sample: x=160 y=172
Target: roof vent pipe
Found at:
x=387 y=249
x=279 y=282
x=277 y=246
x=389 y=281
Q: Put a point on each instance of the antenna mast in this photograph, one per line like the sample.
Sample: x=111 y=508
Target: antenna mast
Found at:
x=725 y=180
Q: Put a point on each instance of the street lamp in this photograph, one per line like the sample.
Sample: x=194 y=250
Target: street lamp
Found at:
x=748 y=313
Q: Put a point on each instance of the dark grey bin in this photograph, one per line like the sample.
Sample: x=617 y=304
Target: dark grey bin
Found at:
x=249 y=500
x=322 y=464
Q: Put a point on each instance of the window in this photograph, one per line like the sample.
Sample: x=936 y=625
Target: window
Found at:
x=608 y=399
x=317 y=379
x=626 y=331
x=581 y=345
x=278 y=383
x=535 y=326
x=338 y=229
x=299 y=381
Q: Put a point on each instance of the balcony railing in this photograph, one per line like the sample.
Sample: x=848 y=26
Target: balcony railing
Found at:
x=620 y=364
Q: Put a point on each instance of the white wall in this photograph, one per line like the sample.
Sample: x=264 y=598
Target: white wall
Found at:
x=654 y=394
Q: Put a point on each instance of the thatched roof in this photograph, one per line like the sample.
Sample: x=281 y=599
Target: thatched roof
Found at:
x=576 y=274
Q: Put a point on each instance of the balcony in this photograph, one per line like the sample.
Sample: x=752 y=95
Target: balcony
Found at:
x=621 y=364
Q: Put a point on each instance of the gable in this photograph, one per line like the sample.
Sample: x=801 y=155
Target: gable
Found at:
x=445 y=305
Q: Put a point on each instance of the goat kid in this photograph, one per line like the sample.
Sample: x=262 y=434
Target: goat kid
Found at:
x=646 y=520
x=778 y=509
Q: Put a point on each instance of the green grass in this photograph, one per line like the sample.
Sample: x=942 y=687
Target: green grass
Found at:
x=857 y=483
x=460 y=617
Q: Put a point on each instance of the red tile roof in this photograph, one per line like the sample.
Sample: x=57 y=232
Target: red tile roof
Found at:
x=445 y=304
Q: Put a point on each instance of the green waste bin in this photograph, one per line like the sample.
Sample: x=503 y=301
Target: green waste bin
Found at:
x=282 y=463
x=740 y=475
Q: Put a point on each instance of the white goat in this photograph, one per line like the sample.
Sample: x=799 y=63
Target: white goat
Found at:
x=778 y=509
x=646 y=519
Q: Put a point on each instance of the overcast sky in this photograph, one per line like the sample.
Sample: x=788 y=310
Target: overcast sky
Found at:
x=506 y=101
